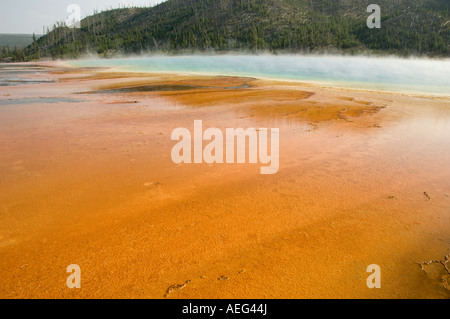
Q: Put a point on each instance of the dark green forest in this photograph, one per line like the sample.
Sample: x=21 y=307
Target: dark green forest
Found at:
x=413 y=27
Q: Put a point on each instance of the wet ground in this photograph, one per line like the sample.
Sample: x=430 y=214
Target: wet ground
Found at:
x=88 y=180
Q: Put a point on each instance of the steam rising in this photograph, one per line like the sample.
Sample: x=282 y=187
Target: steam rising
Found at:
x=389 y=74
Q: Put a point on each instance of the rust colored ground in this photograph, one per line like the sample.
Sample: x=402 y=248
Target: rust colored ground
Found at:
x=363 y=179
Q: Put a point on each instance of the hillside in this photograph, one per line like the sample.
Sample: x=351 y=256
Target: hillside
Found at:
x=15 y=40
x=420 y=27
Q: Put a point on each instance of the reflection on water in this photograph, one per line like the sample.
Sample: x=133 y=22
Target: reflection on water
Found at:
x=16 y=74
x=38 y=100
x=13 y=81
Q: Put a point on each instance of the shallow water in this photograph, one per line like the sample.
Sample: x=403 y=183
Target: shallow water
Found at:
x=385 y=74
x=38 y=100
x=96 y=177
x=15 y=74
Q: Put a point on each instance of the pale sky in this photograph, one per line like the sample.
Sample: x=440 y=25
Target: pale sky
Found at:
x=28 y=16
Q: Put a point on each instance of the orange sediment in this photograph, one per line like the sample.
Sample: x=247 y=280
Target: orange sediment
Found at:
x=92 y=183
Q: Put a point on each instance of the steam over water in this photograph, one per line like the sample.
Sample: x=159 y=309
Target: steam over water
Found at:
x=386 y=74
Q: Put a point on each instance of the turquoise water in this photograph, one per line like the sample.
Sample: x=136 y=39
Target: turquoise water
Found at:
x=386 y=74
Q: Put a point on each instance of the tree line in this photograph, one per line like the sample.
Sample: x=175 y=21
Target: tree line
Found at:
x=277 y=26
